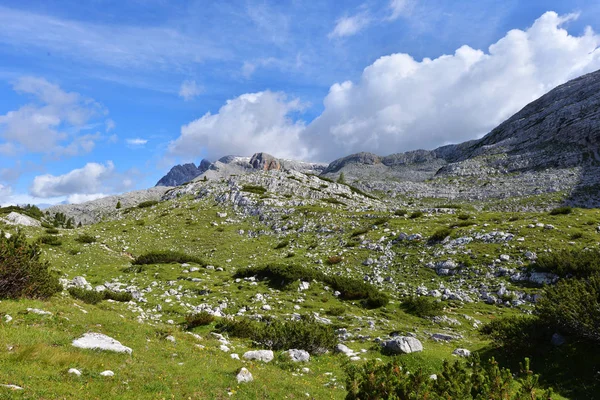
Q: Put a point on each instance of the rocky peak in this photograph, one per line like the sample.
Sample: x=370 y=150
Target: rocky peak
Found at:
x=180 y=174
x=358 y=158
x=265 y=162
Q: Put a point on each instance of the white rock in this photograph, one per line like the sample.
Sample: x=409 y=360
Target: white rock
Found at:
x=462 y=352
x=7 y=318
x=80 y=282
x=305 y=370
x=14 y=218
x=235 y=356
x=12 y=387
x=403 y=344
x=244 y=376
x=298 y=355
x=342 y=348
x=259 y=355
x=99 y=341
x=107 y=373
x=75 y=371
x=171 y=339
x=224 y=348
x=38 y=311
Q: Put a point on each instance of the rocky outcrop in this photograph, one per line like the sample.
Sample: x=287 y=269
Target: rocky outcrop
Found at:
x=180 y=174
x=552 y=144
x=14 y=218
x=93 y=211
x=264 y=162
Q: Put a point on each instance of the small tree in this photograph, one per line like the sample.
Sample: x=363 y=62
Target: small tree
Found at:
x=341 y=179
x=118 y=205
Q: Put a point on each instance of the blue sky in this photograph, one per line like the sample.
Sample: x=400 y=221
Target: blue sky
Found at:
x=100 y=97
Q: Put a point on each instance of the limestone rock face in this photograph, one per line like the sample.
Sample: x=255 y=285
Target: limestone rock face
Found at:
x=265 y=162
x=14 y=218
x=259 y=355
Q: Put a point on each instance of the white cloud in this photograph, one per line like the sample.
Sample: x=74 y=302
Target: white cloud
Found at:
x=82 y=198
x=249 y=123
x=348 y=26
x=51 y=122
x=136 y=142
x=110 y=125
x=5 y=192
x=401 y=104
x=91 y=179
x=189 y=89
x=109 y=45
x=399 y=8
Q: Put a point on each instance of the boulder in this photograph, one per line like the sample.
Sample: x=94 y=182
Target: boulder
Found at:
x=99 y=341
x=244 y=376
x=462 y=352
x=259 y=355
x=14 y=218
x=402 y=345
x=298 y=355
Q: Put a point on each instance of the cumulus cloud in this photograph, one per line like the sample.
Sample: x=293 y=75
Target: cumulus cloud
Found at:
x=89 y=180
x=348 y=26
x=136 y=142
x=51 y=123
x=189 y=90
x=5 y=192
x=249 y=123
x=401 y=104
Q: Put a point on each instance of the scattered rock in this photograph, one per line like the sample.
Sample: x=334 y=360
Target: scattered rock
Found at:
x=402 y=345
x=462 y=352
x=99 y=341
x=74 y=371
x=259 y=355
x=244 y=376
x=298 y=355
x=107 y=373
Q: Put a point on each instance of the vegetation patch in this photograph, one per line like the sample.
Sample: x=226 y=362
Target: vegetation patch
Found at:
x=254 y=189
x=439 y=235
x=86 y=239
x=576 y=262
x=561 y=211
x=350 y=289
x=148 y=203
x=22 y=273
x=423 y=307
x=167 y=257
x=199 y=319
x=306 y=334
x=50 y=240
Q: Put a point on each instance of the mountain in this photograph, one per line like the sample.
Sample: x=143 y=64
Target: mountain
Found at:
x=232 y=165
x=551 y=145
x=180 y=174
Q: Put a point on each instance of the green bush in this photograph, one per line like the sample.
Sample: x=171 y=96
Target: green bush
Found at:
x=517 y=334
x=400 y=213
x=50 y=240
x=463 y=216
x=416 y=214
x=351 y=289
x=22 y=273
x=87 y=296
x=439 y=235
x=52 y=231
x=148 y=203
x=359 y=232
x=573 y=306
x=95 y=297
x=576 y=262
x=283 y=244
x=306 y=334
x=561 y=211
x=166 y=257
x=254 y=189
x=459 y=380
x=123 y=297
x=85 y=238
x=199 y=319
x=331 y=200
x=422 y=306
x=336 y=311
x=381 y=221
